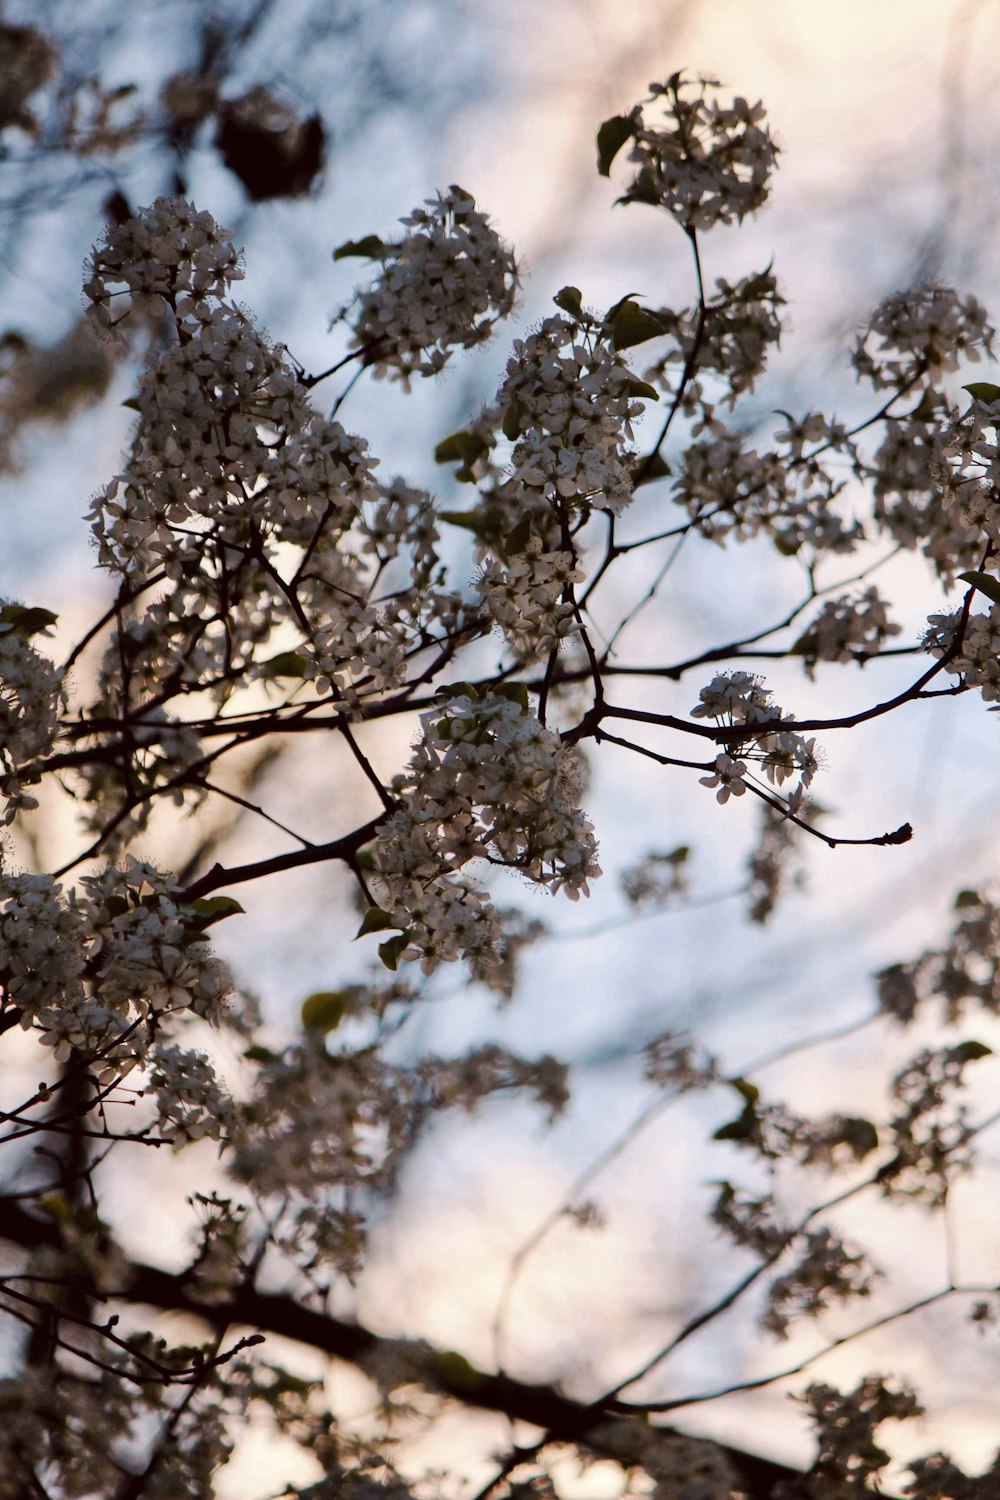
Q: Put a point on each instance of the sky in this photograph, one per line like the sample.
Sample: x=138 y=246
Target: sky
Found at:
x=888 y=122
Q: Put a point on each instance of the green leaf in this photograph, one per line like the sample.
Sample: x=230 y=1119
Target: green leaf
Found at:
x=324 y=1011
x=514 y=692
x=653 y=467
x=636 y=387
x=375 y=920
x=511 y=425
x=259 y=1054
x=749 y=1091
x=454 y=1370
x=464 y=447
x=629 y=324
x=285 y=664
x=370 y=248
x=861 y=1135
x=390 y=952
x=745 y=1128
x=570 y=299
x=458 y=690
x=209 y=909
x=515 y=543
x=985 y=583
x=983 y=391
x=971 y=1051
x=967 y=898
x=611 y=137
x=25 y=620
x=132 y=404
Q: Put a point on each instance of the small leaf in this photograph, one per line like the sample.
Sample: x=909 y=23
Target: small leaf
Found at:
x=636 y=387
x=745 y=1128
x=983 y=391
x=511 y=425
x=25 y=620
x=390 y=952
x=132 y=404
x=971 y=1051
x=285 y=664
x=861 y=1135
x=259 y=1054
x=456 y=1371
x=629 y=324
x=611 y=137
x=464 y=447
x=570 y=299
x=653 y=467
x=514 y=692
x=967 y=898
x=375 y=920
x=749 y=1091
x=515 y=543
x=458 y=690
x=470 y=520
x=324 y=1011
x=370 y=248
x=985 y=583
x=209 y=909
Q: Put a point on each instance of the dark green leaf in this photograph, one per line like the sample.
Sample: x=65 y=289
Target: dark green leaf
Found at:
x=983 y=391
x=749 y=1091
x=967 y=898
x=390 y=952
x=458 y=690
x=637 y=387
x=462 y=446
x=653 y=467
x=985 y=583
x=514 y=692
x=25 y=620
x=210 y=909
x=971 y=1051
x=259 y=1054
x=132 y=404
x=516 y=541
x=570 y=299
x=375 y=920
x=611 y=137
x=861 y=1135
x=286 y=664
x=324 y=1011
x=511 y=425
x=745 y=1128
x=370 y=248
x=631 y=324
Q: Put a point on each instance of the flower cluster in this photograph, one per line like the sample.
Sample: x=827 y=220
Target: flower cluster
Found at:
x=169 y=253
x=977 y=658
x=827 y=1271
x=100 y=971
x=848 y=628
x=29 y=709
x=704 y=162
x=920 y=333
x=486 y=781
x=568 y=400
x=845 y=1423
x=731 y=490
x=741 y=324
x=190 y=1102
x=737 y=699
x=443 y=287
x=526 y=598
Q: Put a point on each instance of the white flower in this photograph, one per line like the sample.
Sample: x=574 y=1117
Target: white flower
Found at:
x=727 y=776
